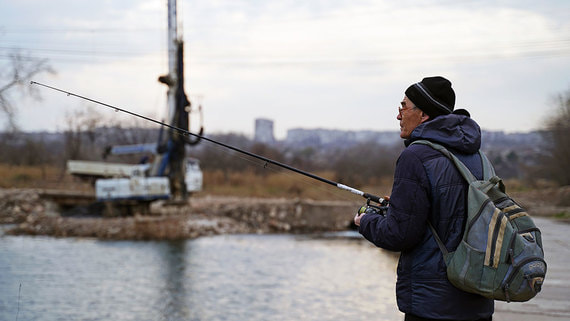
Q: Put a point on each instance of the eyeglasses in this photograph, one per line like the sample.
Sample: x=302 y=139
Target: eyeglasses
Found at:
x=400 y=109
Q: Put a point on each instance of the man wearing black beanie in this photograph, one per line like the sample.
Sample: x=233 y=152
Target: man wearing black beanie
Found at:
x=433 y=95
x=428 y=187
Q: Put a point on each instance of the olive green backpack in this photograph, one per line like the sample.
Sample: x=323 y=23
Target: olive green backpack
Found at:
x=500 y=255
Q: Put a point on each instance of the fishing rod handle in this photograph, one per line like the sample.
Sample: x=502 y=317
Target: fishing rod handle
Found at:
x=375 y=199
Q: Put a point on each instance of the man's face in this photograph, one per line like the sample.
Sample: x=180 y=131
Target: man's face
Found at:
x=410 y=117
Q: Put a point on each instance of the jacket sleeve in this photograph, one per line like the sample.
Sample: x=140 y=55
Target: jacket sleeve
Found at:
x=406 y=220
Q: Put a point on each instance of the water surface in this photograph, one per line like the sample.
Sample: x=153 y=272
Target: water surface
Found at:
x=231 y=277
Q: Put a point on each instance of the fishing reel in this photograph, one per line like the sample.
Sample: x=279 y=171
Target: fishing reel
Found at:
x=374 y=209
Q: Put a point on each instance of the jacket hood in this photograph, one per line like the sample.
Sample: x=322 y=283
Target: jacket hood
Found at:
x=457 y=132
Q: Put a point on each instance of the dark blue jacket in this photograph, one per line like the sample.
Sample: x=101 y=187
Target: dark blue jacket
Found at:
x=427 y=186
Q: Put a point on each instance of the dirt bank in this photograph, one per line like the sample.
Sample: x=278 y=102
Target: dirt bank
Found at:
x=32 y=214
x=545 y=202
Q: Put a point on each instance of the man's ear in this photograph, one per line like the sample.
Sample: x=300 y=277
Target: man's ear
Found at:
x=425 y=117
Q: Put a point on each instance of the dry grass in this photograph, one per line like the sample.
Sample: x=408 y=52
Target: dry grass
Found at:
x=282 y=184
x=42 y=177
x=516 y=185
x=542 y=199
x=241 y=184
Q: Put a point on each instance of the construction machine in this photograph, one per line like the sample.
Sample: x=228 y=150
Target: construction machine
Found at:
x=170 y=175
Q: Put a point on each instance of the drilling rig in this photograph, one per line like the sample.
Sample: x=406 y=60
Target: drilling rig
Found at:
x=126 y=189
x=179 y=108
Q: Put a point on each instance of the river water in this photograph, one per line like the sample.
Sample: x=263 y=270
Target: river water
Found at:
x=230 y=277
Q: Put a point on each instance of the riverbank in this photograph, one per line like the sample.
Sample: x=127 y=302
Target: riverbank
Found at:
x=32 y=214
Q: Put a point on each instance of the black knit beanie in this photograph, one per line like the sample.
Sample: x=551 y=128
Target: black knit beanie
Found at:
x=433 y=95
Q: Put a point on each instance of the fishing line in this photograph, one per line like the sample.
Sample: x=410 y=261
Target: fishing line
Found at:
x=369 y=197
x=275 y=170
x=265 y=165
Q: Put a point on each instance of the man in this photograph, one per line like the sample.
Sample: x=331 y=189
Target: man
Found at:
x=428 y=187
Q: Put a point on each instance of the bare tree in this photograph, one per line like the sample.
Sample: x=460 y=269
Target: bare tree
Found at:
x=16 y=77
x=80 y=135
x=365 y=163
x=557 y=151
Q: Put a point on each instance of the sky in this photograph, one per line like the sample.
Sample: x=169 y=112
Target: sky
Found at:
x=335 y=64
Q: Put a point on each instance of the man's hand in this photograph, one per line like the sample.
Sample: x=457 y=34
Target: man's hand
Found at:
x=357 y=218
x=361 y=213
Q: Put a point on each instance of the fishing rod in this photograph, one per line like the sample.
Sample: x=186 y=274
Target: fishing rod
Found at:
x=184 y=132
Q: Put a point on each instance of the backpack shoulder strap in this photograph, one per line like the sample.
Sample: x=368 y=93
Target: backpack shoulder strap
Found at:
x=488 y=170
x=439 y=242
x=465 y=172
x=489 y=175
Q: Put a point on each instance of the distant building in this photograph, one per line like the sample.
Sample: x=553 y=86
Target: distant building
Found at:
x=322 y=138
x=264 y=131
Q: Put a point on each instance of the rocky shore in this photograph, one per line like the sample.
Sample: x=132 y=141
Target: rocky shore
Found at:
x=28 y=213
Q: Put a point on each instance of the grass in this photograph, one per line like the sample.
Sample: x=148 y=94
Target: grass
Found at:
x=562 y=215
x=274 y=184
x=279 y=184
x=240 y=184
x=42 y=177
x=517 y=185
x=26 y=176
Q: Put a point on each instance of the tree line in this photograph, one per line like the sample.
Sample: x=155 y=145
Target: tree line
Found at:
x=88 y=136
x=356 y=165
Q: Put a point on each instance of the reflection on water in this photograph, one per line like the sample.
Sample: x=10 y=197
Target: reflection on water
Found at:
x=233 y=277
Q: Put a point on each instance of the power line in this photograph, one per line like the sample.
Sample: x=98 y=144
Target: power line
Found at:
x=47 y=30
x=303 y=61
x=546 y=47
x=76 y=51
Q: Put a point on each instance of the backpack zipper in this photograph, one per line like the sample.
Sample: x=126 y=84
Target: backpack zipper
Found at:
x=477 y=216
x=517 y=267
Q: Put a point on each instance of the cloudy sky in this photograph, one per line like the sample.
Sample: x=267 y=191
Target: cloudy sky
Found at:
x=336 y=64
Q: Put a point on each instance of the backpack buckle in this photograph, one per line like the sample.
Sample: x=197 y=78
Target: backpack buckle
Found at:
x=506 y=290
x=535 y=283
x=511 y=256
x=528 y=236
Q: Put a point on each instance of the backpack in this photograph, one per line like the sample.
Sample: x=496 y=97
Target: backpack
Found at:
x=500 y=255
